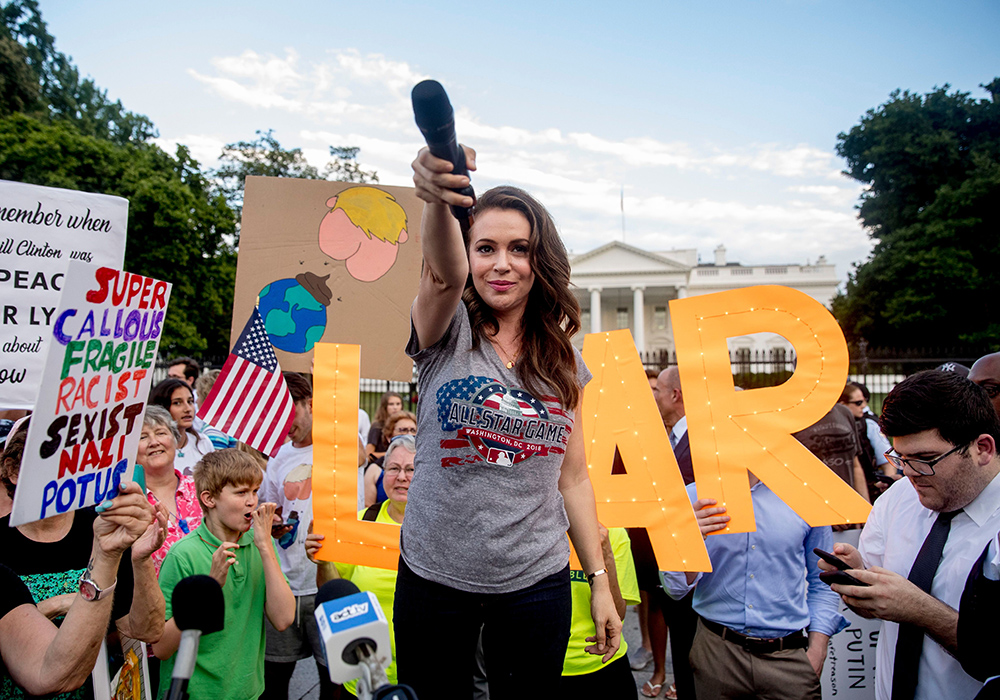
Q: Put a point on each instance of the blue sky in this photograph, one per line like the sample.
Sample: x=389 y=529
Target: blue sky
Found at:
x=719 y=119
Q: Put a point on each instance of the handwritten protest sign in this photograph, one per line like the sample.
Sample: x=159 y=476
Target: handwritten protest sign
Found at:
x=332 y=262
x=85 y=429
x=41 y=230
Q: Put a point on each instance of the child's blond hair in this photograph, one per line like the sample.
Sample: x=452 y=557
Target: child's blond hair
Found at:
x=229 y=467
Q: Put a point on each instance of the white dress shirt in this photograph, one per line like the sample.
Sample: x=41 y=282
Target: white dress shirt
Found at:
x=677 y=432
x=892 y=537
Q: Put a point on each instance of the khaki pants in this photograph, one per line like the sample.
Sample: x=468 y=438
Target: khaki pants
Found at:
x=723 y=670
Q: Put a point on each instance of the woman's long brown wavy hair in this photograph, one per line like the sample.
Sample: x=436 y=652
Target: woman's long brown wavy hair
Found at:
x=552 y=316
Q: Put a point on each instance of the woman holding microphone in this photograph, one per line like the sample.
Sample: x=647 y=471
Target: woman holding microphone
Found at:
x=501 y=472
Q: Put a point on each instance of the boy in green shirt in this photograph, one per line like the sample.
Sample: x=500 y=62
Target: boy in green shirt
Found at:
x=243 y=560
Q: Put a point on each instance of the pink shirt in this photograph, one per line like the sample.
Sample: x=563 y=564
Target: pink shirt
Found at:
x=188 y=516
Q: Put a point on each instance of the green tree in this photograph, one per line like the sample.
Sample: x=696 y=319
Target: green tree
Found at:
x=344 y=166
x=931 y=166
x=177 y=228
x=263 y=156
x=266 y=157
x=63 y=93
x=18 y=87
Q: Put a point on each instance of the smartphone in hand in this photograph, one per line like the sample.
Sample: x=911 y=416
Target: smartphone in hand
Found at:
x=841 y=577
x=832 y=559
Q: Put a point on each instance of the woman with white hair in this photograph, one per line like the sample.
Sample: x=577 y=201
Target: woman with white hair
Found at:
x=164 y=482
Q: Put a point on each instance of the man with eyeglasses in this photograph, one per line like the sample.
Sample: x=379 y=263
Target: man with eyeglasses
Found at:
x=925 y=533
x=986 y=373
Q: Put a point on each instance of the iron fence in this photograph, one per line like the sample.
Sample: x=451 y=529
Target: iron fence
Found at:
x=878 y=369
x=371 y=389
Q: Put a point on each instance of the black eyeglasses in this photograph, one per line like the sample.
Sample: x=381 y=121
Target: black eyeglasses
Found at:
x=859 y=403
x=395 y=471
x=923 y=467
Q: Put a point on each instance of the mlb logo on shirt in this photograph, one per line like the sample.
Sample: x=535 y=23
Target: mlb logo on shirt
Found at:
x=500 y=457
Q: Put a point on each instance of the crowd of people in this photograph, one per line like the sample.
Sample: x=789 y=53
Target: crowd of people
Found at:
x=484 y=509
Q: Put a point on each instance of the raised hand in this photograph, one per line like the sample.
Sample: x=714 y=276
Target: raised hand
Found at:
x=849 y=555
x=154 y=536
x=124 y=520
x=434 y=181
x=313 y=544
x=263 y=520
x=222 y=559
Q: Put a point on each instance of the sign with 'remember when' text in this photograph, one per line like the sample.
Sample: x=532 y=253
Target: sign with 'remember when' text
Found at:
x=85 y=428
x=41 y=230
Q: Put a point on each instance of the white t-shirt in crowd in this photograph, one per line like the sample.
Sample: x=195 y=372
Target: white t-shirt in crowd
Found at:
x=288 y=483
x=191 y=454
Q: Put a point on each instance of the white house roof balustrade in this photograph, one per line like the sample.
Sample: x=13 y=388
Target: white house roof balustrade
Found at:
x=614 y=280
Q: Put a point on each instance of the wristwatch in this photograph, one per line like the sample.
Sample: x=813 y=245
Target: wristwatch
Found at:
x=599 y=572
x=89 y=590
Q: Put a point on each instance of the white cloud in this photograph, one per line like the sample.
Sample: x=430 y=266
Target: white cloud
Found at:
x=377 y=69
x=204 y=148
x=831 y=194
x=768 y=202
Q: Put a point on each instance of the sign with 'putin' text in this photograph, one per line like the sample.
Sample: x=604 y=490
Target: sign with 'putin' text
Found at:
x=85 y=429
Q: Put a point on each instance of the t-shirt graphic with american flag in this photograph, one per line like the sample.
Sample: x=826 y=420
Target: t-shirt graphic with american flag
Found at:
x=504 y=425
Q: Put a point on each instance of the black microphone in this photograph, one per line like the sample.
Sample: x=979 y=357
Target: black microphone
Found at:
x=199 y=608
x=436 y=120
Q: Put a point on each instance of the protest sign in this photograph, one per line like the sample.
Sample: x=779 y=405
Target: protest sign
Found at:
x=619 y=411
x=849 y=671
x=88 y=416
x=731 y=432
x=41 y=230
x=330 y=261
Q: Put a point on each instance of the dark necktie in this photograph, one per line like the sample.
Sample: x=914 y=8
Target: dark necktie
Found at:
x=910 y=641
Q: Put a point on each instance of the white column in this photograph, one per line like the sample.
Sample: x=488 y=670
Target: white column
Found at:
x=682 y=292
x=595 y=309
x=639 y=318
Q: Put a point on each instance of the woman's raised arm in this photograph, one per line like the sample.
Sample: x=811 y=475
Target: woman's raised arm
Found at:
x=446 y=262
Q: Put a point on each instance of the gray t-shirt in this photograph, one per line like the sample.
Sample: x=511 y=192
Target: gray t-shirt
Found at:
x=484 y=513
x=834 y=439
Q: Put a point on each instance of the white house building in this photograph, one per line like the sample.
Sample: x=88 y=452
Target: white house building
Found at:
x=621 y=286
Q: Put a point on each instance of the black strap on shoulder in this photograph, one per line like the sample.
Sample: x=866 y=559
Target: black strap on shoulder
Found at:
x=372 y=512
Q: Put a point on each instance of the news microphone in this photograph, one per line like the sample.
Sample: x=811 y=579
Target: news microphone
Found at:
x=436 y=120
x=199 y=608
x=355 y=635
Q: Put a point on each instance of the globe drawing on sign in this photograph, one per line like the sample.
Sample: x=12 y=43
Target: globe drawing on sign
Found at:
x=294 y=311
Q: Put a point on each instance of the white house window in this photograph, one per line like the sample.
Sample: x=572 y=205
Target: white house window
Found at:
x=660 y=318
x=621 y=318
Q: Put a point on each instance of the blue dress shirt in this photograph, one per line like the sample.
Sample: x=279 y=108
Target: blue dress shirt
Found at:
x=764 y=583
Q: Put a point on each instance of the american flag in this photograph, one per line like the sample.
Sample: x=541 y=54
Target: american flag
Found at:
x=250 y=400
